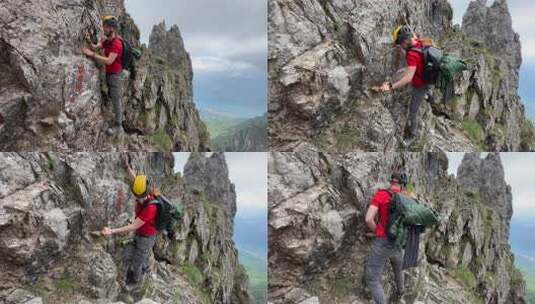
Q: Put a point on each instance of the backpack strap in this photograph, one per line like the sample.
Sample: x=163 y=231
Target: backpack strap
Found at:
x=155 y=201
x=151 y=202
x=419 y=50
x=122 y=43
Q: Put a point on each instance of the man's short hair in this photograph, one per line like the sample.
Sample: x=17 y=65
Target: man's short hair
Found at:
x=395 y=177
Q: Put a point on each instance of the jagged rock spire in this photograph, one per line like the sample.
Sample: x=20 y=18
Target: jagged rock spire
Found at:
x=486 y=176
x=210 y=175
x=494 y=26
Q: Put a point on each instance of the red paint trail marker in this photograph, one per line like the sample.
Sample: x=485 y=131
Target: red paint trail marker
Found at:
x=119 y=204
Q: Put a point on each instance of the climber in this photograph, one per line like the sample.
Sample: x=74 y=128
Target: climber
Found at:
x=112 y=59
x=404 y=38
x=144 y=225
x=383 y=248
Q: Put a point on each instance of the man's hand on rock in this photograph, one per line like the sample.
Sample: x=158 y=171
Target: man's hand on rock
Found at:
x=88 y=52
x=106 y=231
x=126 y=165
x=386 y=87
x=370 y=234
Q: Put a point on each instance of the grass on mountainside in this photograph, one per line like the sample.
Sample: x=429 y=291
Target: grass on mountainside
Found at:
x=465 y=276
x=218 y=125
x=193 y=273
x=474 y=131
x=162 y=140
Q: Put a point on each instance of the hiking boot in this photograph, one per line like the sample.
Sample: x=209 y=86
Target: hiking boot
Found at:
x=130 y=287
x=397 y=297
x=132 y=284
x=431 y=99
x=129 y=278
x=407 y=142
x=145 y=270
x=115 y=131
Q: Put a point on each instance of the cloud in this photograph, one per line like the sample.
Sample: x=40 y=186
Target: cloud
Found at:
x=214 y=64
x=229 y=47
x=226 y=30
x=522 y=13
x=248 y=172
x=459 y=8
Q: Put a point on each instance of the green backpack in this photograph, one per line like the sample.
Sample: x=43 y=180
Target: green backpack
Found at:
x=404 y=211
x=168 y=215
x=440 y=69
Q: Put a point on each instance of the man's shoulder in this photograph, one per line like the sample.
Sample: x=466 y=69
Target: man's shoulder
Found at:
x=117 y=42
x=382 y=194
x=415 y=52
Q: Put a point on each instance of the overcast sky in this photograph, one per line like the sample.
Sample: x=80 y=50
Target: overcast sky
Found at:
x=227 y=41
x=248 y=172
x=517 y=174
x=522 y=13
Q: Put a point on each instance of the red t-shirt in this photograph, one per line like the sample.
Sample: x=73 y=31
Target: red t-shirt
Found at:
x=147 y=213
x=416 y=59
x=381 y=200
x=114 y=46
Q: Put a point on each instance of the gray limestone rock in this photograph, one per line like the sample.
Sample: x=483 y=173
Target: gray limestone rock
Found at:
x=317 y=236
x=50 y=204
x=324 y=57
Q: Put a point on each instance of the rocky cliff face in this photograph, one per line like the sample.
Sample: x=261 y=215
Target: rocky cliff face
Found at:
x=210 y=175
x=325 y=55
x=53 y=98
x=50 y=202
x=317 y=241
x=248 y=136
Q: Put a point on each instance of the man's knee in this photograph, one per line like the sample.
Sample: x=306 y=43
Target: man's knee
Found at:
x=371 y=276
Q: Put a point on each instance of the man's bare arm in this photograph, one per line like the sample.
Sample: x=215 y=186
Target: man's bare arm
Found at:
x=91 y=44
x=128 y=228
x=406 y=79
x=129 y=170
x=105 y=60
x=370 y=217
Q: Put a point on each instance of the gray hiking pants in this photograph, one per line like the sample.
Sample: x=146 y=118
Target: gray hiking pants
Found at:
x=418 y=95
x=383 y=249
x=138 y=256
x=115 y=94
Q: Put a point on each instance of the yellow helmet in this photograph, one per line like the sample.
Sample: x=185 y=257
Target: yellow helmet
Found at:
x=140 y=186
x=402 y=31
x=109 y=20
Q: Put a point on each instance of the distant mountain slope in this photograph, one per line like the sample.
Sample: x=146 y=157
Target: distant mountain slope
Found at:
x=217 y=123
x=526 y=264
x=250 y=237
x=523 y=245
x=256 y=268
x=250 y=136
